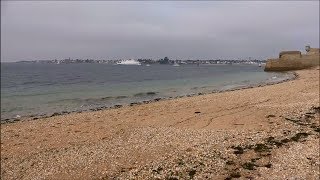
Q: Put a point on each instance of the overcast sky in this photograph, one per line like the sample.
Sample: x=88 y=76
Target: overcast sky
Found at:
x=108 y=30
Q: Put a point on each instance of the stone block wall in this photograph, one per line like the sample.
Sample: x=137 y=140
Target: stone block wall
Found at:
x=288 y=62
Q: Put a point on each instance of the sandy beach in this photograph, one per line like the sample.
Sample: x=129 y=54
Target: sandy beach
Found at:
x=269 y=132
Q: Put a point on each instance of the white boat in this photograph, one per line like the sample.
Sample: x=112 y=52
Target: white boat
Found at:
x=128 y=62
x=176 y=64
x=148 y=65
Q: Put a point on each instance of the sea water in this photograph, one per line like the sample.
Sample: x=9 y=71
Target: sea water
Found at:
x=38 y=88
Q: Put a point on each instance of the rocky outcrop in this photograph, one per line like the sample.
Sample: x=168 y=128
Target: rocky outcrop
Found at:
x=294 y=60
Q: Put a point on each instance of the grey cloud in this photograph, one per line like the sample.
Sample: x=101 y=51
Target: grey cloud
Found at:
x=83 y=29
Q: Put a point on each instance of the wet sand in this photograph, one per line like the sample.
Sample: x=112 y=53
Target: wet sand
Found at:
x=269 y=132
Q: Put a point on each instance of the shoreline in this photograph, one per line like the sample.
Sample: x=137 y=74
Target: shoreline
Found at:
x=43 y=116
x=267 y=132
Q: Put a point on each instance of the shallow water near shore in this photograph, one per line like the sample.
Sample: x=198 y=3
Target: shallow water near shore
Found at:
x=34 y=89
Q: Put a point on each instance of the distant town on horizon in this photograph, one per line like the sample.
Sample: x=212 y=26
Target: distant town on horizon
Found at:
x=165 y=60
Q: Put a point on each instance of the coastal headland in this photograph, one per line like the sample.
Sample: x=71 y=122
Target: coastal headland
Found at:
x=269 y=132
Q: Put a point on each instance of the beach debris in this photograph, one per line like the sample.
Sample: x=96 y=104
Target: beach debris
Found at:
x=117 y=106
x=230 y=162
x=299 y=136
x=271 y=115
x=172 y=178
x=55 y=114
x=192 y=173
x=135 y=103
x=292 y=119
x=234 y=175
x=316 y=109
x=261 y=148
x=238 y=150
x=238 y=124
x=317 y=129
x=268 y=165
x=249 y=166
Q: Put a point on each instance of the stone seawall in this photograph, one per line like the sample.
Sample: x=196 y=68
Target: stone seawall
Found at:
x=293 y=62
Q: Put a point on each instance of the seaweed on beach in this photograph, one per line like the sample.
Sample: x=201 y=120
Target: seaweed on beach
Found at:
x=55 y=114
x=117 y=106
x=171 y=178
x=238 y=150
x=317 y=129
x=234 y=175
x=151 y=93
x=265 y=148
x=299 y=136
x=192 y=173
x=261 y=148
x=272 y=141
x=268 y=165
x=270 y=115
x=316 y=109
x=249 y=166
x=230 y=163
x=285 y=140
x=158 y=170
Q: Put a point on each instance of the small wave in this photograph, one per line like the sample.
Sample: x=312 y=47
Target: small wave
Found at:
x=121 y=97
x=88 y=100
x=148 y=79
x=110 y=97
x=35 y=94
x=201 y=87
x=106 y=98
x=29 y=82
x=65 y=100
x=246 y=81
x=145 y=94
x=12 y=109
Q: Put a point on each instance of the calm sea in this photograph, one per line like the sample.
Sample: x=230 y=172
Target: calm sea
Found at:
x=28 y=89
